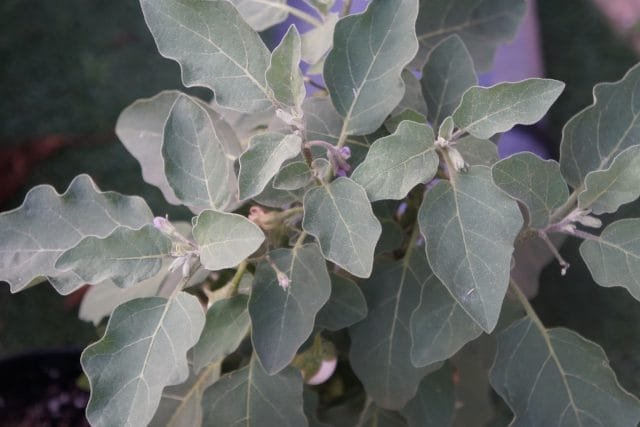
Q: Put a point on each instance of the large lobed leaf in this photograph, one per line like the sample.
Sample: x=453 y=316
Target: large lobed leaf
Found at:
x=340 y=216
x=470 y=226
x=362 y=71
x=482 y=25
x=556 y=377
x=215 y=48
x=34 y=235
x=380 y=344
x=613 y=258
x=537 y=183
x=595 y=136
x=282 y=318
x=143 y=350
x=484 y=112
x=252 y=398
x=397 y=163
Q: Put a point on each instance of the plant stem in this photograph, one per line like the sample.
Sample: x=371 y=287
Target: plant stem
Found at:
x=563 y=264
x=235 y=280
x=300 y=240
x=566 y=208
x=346 y=8
x=524 y=302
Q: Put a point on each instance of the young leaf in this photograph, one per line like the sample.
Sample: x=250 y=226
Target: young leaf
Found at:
x=317 y=41
x=477 y=151
x=345 y=307
x=434 y=401
x=225 y=239
x=263 y=159
x=125 y=256
x=252 y=398
x=380 y=344
x=293 y=176
x=482 y=25
x=556 y=377
x=215 y=48
x=181 y=405
x=47 y=224
x=143 y=350
x=412 y=98
x=283 y=75
x=195 y=162
x=282 y=317
x=262 y=14
x=446 y=76
x=363 y=69
x=470 y=226
x=484 y=112
x=537 y=183
x=339 y=215
x=226 y=326
x=606 y=190
x=595 y=136
x=614 y=258
x=321 y=120
x=397 y=163
x=439 y=326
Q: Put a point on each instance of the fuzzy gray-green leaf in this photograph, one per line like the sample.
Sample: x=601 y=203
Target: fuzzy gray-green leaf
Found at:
x=262 y=14
x=482 y=24
x=143 y=350
x=225 y=239
x=282 y=318
x=535 y=182
x=477 y=151
x=125 y=256
x=397 y=163
x=34 y=235
x=380 y=344
x=470 y=227
x=283 y=75
x=614 y=257
x=293 y=176
x=434 y=402
x=215 y=48
x=556 y=377
x=606 y=190
x=340 y=216
x=446 y=76
x=263 y=159
x=597 y=134
x=195 y=161
x=363 y=69
x=345 y=306
x=484 y=112
x=252 y=398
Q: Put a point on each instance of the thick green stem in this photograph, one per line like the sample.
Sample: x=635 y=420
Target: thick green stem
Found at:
x=235 y=280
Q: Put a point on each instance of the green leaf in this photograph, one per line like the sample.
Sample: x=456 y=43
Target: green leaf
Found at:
x=181 y=405
x=392 y=233
x=345 y=307
x=263 y=159
x=470 y=226
x=392 y=123
x=284 y=75
x=252 y=398
x=321 y=120
x=476 y=151
x=311 y=408
x=380 y=344
x=293 y=176
x=434 y=401
x=397 y=163
x=606 y=190
x=317 y=41
x=225 y=239
x=262 y=14
x=101 y=300
x=362 y=71
x=195 y=162
x=439 y=326
x=125 y=256
x=556 y=377
x=482 y=25
x=446 y=76
x=282 y=318
x=412 y=98
x=614 y=258
x=597 y=134
x=34 y=235
x=374 y=416
x=215 y=48
x=143 y=350
x=339 y=215
x=537 y=183
x=277 y=198
x=484 y=112
x=226 y=326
